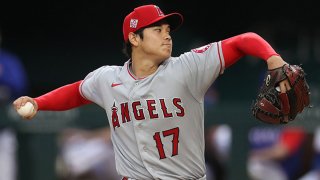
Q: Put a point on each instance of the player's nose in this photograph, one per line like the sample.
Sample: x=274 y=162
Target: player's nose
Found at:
x=167 y=37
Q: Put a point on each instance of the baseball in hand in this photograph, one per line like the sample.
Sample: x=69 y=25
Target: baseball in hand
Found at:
x=26 y=110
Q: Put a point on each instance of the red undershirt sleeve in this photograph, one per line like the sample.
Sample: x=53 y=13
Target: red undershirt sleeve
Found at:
x=246 y=44
x=63 y=98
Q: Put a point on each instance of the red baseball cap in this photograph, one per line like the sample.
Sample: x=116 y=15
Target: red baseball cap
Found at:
x=145 y=15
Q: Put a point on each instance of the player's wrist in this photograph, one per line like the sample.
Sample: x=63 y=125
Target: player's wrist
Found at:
x=275 y=61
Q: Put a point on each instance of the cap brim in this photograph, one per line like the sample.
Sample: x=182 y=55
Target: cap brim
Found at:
x=175 y=20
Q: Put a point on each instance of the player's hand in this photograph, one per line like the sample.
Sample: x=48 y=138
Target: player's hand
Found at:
x=21 y=101
x=284 y=86
x=277 y=62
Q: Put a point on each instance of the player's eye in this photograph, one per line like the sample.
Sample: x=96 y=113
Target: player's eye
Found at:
x=168 y=29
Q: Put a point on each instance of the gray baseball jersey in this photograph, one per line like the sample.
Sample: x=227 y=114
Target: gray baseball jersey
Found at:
x=157 y=122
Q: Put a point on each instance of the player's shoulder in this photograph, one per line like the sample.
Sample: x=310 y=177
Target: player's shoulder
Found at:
x=110 y=68
x=198 y=51
x=106 y=71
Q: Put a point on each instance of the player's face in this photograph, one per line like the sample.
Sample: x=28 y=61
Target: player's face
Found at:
x=157 y=42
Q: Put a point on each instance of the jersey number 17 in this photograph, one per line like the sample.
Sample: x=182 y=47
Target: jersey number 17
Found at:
x=175 y=141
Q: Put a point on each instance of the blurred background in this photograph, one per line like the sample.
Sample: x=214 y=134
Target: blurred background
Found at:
x=47 y=44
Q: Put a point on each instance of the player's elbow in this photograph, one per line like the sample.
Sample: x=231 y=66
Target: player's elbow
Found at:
x=248 y=36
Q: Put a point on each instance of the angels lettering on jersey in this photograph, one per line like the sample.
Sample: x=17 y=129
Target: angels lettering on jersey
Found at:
x=146 y=109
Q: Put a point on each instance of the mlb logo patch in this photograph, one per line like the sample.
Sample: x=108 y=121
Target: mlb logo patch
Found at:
x=133 y=23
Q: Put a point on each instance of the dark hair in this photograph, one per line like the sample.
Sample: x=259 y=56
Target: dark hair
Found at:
x=127 y=47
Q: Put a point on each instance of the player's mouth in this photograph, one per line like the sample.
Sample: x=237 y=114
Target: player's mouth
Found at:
x=169 y=45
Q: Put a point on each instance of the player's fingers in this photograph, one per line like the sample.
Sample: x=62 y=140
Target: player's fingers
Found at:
x=21 y=101
x=18 y=102
x=287 y=84
x=31 y=116
x=283 y=88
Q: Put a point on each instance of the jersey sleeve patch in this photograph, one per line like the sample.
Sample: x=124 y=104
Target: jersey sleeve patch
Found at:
x=202 y=49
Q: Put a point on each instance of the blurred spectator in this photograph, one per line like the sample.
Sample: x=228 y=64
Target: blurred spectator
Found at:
x=8 y=142
x=278 y=153
x=13 y=77
x=13 y=84
x=314 y=172
x=217 y=139
x=218 y=145
x=211 y=97
x=86 y=155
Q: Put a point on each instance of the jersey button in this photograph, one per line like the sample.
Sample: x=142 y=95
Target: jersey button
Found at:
x=145 y=148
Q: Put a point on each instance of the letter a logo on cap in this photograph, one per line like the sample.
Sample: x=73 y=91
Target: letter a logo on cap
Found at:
x=133 y=23
x=159 y=11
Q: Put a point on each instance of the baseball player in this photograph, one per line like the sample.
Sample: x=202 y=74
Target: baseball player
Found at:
x=154 y=102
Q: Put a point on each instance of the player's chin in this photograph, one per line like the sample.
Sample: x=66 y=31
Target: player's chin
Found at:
x=166 y=53
x=165 y=57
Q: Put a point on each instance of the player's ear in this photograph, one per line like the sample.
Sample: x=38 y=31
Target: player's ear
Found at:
x=133 y=38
